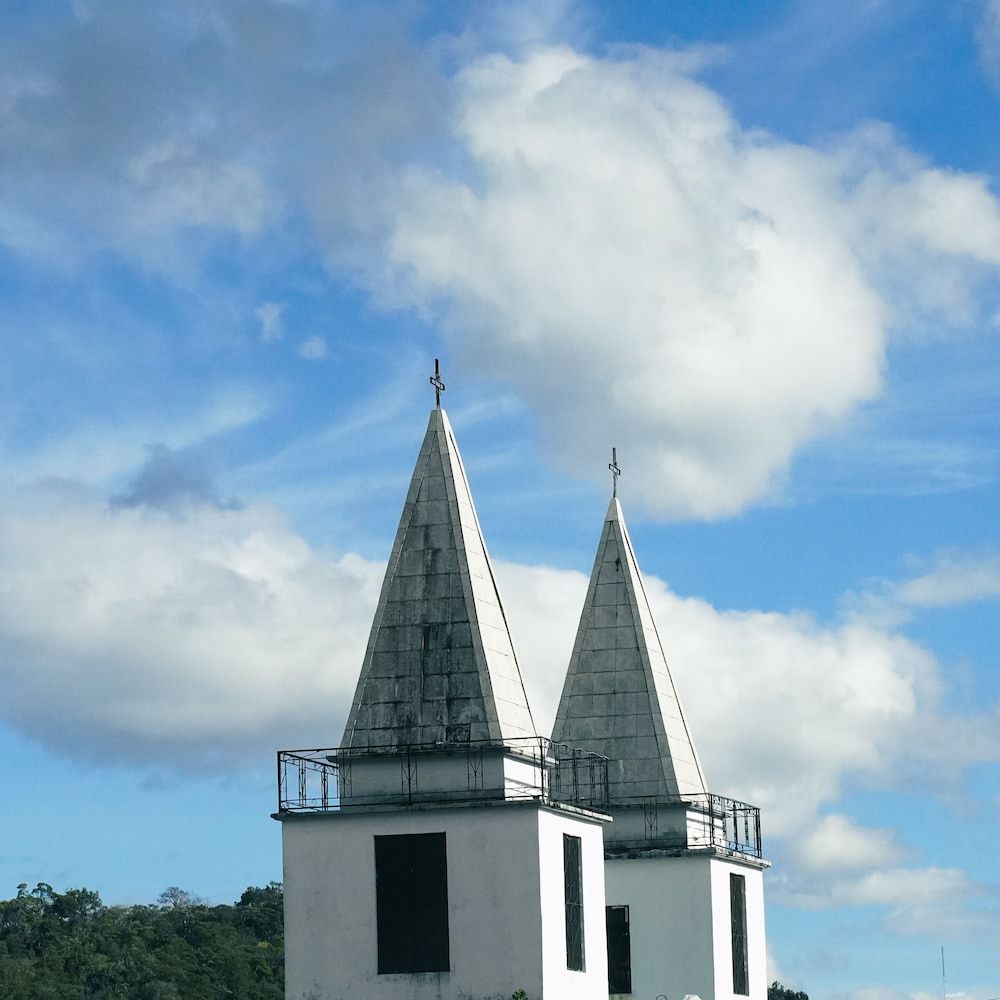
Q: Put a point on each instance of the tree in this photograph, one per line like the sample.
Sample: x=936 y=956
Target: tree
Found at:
x=778 y=992
x=70 y=946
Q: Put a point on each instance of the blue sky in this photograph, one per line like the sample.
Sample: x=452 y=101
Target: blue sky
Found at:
x=754 y=246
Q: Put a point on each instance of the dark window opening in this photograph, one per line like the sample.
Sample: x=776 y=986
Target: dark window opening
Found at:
x=738 y=917
x=619 y=950
x=573 y=881
x=411 y=903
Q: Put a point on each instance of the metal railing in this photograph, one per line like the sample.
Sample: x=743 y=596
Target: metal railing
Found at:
x=695 y=822
x=323 y=780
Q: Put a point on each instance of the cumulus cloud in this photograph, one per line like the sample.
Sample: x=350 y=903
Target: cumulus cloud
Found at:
x=172 y=481
x=162 y=638
x=169 y=628
x=173 y=623
x=954 y=579
x=231 y=110
x=939 y=902
x=837 y=843
x=727 y=293
x=591 y=228
x=859 y=701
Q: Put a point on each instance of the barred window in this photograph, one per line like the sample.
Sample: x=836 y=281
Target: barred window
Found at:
x=738 y=919
x=573 y=880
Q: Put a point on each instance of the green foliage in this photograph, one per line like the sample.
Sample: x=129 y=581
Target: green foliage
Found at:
x=70 y=946
x=778 y=992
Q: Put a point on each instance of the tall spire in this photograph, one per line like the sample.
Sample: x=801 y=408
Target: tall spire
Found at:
x=619 y=699
x=440 y=665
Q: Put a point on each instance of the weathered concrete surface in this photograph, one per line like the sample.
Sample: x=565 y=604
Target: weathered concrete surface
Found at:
x=619 y=698
x=440 y=664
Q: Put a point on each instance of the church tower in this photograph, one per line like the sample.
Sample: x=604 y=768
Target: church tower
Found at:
x=683 y=867
x=443 y=850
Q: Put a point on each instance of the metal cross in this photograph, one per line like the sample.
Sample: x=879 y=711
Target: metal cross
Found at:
x=615 y=471
x=437 y=383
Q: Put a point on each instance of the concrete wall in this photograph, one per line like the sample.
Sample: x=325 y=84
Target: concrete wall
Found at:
x=756 y=947
x=366 y=780
x=499 y=901
x=679 y=923
x=558 y=981
x=670 y=923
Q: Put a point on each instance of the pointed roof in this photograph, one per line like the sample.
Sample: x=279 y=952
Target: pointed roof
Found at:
x=440 y=664
x=619 y=699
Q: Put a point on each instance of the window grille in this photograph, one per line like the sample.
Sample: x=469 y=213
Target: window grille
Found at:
x=738 y=918
x=573 y=880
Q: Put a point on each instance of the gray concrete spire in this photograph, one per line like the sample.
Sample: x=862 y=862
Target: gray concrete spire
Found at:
x=440 y=664
x=619 y=698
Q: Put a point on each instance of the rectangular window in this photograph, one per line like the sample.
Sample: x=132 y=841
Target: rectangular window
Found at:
x=411 y=903
x=619 y=950
x=738 y=918
x=573 y=882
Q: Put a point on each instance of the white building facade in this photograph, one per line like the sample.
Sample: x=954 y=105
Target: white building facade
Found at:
x=446 y=851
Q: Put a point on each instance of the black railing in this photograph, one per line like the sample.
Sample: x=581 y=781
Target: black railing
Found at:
x=325 y=780
x=692 y=823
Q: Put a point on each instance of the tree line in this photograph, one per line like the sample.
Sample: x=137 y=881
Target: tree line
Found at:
x=71 y=946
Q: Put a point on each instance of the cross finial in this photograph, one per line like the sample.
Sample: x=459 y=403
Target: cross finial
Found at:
x=437 y=383
x=615 y=471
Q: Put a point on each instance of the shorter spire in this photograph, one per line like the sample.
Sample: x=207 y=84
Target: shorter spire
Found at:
x=619 y=698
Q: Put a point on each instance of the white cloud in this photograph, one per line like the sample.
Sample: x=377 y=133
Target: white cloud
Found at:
x=313 y=349
x=173 y=629
x=596 y=228
x=857 y=701
x=836 y=843
x=137 y=634
x=167 y=629
x=726 y=293
x=951 y=578
x=269 y=315
x=96 y=454
x=927 y=901
x=903 y=885
x=173 y=184
x=231 y=112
